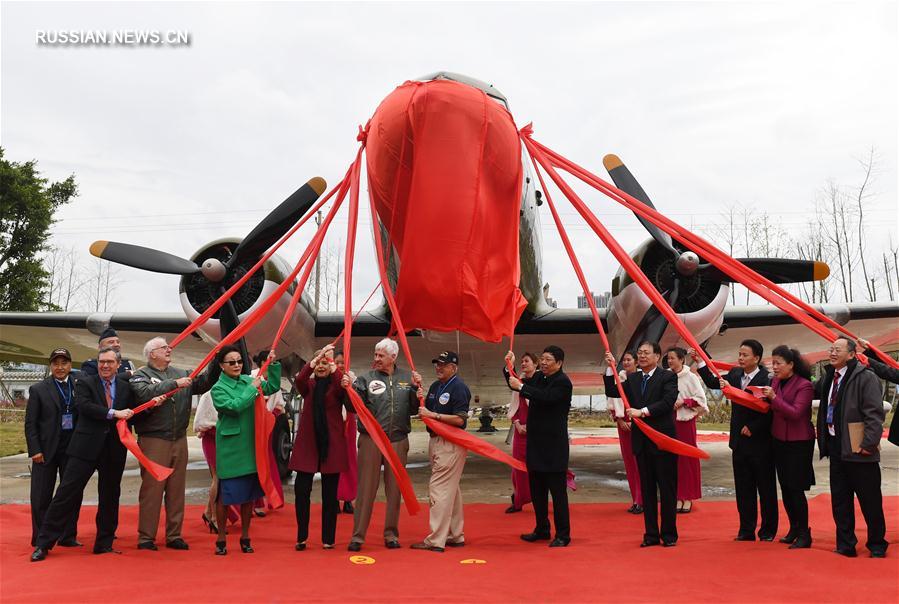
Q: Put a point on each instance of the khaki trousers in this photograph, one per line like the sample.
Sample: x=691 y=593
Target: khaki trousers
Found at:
x=447 y=521
x=369 y=462
x=173 y=454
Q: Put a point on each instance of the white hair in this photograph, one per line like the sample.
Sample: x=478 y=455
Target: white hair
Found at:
x=152 y=344
x=389 y=346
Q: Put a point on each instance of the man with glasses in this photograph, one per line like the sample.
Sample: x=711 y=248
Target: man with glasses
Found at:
x=549 y=399
x=109 y=339
x=162 y=436
x=446 y=402
x=652 y=392
x=850 y=426
x=388 y=392
x=101 y=400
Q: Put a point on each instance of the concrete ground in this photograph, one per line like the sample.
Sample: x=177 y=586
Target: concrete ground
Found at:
x=599 y=470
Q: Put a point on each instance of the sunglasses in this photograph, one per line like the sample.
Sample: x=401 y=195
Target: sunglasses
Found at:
x=233 y=363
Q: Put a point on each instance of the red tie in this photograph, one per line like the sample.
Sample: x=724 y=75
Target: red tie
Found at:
x=108 y=394
x=833 y=398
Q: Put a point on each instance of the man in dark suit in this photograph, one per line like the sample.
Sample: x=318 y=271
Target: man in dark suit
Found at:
x=549 y=400
x=884 y=372
x=652 y=392
x=751 y=445
x=101 y=401
x=851 y=409
x=50 y=419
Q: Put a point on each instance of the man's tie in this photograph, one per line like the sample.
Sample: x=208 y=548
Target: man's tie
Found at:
x=833 y=401
x=108 y=388
x=744 y=381
x=643 y=385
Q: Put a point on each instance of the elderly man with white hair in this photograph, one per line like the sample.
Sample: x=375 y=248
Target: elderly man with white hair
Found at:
x=390 y=394
x=162 y=435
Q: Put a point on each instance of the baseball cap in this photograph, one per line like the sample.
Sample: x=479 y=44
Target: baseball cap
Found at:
x=447 y=356
x=60 y=352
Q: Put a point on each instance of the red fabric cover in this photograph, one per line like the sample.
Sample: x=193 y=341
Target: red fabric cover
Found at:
x=444 y=165
x=304 y=457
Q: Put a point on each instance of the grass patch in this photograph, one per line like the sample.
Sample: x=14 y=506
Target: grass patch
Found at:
x=12 y=432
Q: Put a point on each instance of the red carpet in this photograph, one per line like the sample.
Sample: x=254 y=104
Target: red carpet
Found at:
x=717 y=437
x=604 y=563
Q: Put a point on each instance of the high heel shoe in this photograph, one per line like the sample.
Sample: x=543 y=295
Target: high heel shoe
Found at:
x=220 y=549
x=245 y=546
x=210 y=524
x=803 y=541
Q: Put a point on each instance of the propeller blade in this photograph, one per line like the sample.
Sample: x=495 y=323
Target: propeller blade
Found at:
x=778 y=270
x=228 y=322
x=653 y=324
x=278 y=222
x=625 y=181
x=143 y=257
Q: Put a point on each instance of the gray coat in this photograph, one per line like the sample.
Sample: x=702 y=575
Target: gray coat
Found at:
x=859 y=399
x=391 y=399
x=168 y=421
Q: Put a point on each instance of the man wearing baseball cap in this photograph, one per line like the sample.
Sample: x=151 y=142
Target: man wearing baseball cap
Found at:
x=447 y=402
x=109 y=339
x=50 y=419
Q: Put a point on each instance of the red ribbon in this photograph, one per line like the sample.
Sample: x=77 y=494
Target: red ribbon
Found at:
x=662 y=441
x=157 y=471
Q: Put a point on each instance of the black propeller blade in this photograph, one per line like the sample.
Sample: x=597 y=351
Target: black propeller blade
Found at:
x=143 y=257
x=278 y=222
x=625 y=181
x=778 y=270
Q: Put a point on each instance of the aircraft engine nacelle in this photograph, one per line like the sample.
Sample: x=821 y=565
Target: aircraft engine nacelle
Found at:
x=197 y=294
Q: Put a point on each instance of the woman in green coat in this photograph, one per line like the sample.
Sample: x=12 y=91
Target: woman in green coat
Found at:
x=233 y=396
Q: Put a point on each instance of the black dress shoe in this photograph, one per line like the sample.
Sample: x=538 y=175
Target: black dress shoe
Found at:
x=789 y=537
x=649 y=543
x=744 y=538
x=559 y=542
x=636 y=509
x=532 y=537
x=849 y=553
x=669 y=543
x=178 y=543
x=348 y=507
x=300 y=546
x=803 y=540
x=147 y=545
x=354 y=546
x=39 y=554
x=70 y=542
x=512 y=509
x=878 y=554
x=105 y=549
x=766 y=537
x=455 y=544
x=394 y=544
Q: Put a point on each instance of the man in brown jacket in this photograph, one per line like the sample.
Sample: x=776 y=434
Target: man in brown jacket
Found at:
x=850 y=425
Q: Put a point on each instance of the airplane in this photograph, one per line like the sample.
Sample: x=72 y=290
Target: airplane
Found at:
x=697 y=291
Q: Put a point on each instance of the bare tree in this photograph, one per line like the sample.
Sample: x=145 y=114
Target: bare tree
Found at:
x=868 y=164
x=101 y=284
x=727 y=233
x=65 y=281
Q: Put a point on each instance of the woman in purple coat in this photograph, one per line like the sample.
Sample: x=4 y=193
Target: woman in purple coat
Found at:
x=320 y=445
x=790 y=395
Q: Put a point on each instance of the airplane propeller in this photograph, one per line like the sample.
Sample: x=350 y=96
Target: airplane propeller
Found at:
x=686 y=282
x=216 y=274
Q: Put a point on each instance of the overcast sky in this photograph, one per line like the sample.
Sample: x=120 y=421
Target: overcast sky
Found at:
x=709 y=104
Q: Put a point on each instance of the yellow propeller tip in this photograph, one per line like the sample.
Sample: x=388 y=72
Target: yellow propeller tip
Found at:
x=820 y=271
x=98 y=247
x=611 y=161
x=318 y=184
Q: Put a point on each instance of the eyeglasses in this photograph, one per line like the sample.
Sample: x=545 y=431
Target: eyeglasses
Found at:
x=644 y=353
x=107 y=362
x=233 y=363
x=166 y=347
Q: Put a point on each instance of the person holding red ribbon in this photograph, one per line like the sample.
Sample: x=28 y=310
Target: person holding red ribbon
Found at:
x=234 y=396
x=690 y=405
x=549 y=401
x=447 y=402
x=652 y=392
x=320 y=445
x=616 y=411
x=101 y=400
x=750 y=443
x=518 y=413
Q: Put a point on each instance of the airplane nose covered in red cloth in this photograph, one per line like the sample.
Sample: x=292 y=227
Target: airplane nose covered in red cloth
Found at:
x=445 y=173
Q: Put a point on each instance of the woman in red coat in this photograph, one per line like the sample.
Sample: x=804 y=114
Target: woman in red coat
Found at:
x=320 y=445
